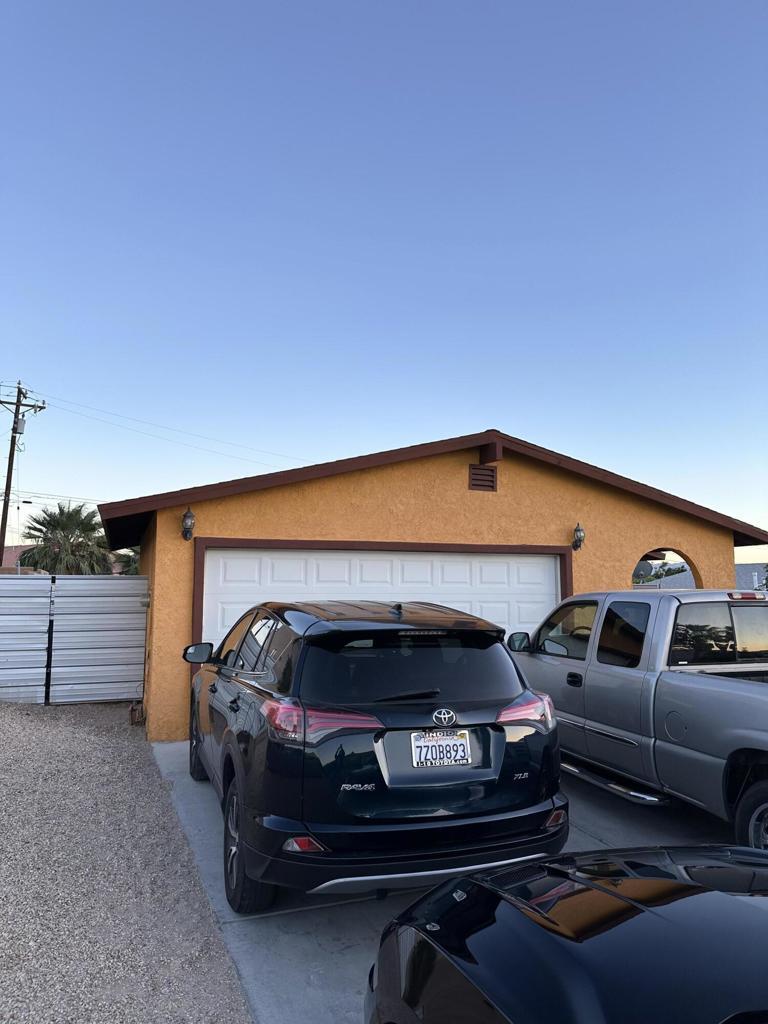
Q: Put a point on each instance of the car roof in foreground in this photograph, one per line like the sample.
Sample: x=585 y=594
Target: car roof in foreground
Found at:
x=316 y=617
x=613 y=936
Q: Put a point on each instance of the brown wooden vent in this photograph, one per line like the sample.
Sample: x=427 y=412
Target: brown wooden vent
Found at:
x=482 y=478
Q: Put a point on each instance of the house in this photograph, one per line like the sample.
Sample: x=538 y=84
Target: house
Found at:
x=484 y=522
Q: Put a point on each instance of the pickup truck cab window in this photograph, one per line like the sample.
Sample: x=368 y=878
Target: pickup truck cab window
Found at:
x=567 y=631
x=703 y=635
x=751 y=625
x=623 y=633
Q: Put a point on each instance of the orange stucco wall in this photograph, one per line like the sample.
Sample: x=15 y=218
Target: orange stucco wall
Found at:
x=425 y=500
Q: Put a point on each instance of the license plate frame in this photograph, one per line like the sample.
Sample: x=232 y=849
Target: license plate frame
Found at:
x=436 y=739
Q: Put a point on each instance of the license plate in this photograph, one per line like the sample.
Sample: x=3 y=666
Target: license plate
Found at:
x=440 y=748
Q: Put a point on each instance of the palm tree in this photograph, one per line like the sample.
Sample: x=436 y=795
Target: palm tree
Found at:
x=68 y=540
x=128 y=561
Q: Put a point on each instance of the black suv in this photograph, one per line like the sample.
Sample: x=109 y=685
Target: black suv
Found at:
x=368 y=746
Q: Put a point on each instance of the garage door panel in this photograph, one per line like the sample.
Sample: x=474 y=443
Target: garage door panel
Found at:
x=534 y=573
x=515 y=591
x=376 y=572
x=288 y=570
x=335 y=570
x=456 y=573
x=419 y=572
x=238 y=568
x=529 y=614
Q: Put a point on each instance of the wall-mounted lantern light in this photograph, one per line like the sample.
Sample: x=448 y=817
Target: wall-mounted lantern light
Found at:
x=188 y=524
x=578 y=536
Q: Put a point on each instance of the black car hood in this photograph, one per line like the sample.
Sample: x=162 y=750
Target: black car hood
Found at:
x=623 y=937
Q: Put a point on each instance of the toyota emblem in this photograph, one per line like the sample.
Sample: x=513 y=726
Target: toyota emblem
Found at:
x=444 y=717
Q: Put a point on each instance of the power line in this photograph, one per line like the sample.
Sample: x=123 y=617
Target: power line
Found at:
x=54 y=494
x=159 y=437
x=176 y=430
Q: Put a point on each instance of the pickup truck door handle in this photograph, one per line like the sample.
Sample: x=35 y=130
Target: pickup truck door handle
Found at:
x=574 y=679
x=212 y=688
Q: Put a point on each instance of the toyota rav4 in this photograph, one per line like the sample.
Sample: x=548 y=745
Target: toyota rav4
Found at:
x=369 y=746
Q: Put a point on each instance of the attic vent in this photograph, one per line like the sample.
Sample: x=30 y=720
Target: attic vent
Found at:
x=482 y=478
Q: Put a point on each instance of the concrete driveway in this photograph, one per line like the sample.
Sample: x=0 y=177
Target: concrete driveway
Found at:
x=308 y=958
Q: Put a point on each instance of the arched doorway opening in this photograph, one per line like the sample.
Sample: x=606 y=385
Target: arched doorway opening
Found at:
x=666 y=569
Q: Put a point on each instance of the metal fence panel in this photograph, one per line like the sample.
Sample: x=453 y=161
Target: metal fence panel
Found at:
x=94 y=648
x=25 y=604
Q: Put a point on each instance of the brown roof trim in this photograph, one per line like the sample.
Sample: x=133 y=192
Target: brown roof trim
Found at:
x=124 y=521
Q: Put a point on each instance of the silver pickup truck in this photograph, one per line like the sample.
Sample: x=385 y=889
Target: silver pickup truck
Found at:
x=662 y=692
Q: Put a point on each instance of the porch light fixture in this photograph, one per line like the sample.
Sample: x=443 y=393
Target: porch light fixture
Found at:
x=578 y=536
x=187 y=524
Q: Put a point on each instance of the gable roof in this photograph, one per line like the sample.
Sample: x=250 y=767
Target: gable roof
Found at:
x=125 y=521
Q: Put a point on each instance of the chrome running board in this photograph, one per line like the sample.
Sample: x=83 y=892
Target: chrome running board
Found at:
x=624 y=790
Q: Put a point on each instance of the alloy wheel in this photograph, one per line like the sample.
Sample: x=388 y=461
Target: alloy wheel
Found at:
x=758 y=828
x=233 y=841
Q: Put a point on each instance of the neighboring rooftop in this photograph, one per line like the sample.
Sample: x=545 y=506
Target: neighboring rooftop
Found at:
x=11 y=554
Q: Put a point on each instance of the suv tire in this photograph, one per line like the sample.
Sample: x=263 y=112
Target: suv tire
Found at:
x=196 y=767
x=244 y=895
x=752 y=817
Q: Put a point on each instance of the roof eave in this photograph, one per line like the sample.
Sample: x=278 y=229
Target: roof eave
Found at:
x=125 y=521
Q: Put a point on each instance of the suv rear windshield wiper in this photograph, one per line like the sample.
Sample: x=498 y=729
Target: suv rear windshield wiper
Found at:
x=411 y=695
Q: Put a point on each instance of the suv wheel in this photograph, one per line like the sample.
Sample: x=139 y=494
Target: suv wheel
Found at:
x=752 y=817
x=196 y=767
x=244 y=894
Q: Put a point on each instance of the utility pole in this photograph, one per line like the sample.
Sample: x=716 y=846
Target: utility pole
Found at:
x=20 y=410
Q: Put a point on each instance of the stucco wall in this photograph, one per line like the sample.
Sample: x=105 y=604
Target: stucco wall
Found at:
x=425 y=500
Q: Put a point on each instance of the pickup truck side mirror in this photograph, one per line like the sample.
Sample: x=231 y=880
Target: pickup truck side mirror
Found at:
x=198 y=654
x=519 y=642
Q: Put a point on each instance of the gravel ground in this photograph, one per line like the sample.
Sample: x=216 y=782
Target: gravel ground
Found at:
x=103 y=919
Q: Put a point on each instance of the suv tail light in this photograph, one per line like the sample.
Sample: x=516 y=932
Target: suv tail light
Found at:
x=294 y=724
x=533 y=708
x=318 y=725
x=285 y=718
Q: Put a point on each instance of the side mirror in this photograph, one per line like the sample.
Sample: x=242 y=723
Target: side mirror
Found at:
x=198 y=654
x=519 y=642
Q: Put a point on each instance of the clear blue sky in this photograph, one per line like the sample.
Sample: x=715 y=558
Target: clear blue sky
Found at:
x=327 y=228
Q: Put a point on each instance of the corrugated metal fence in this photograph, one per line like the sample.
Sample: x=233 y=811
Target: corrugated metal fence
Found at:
x=72 y=638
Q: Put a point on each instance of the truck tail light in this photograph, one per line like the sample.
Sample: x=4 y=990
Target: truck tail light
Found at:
x=530 y=707
x=746 y=595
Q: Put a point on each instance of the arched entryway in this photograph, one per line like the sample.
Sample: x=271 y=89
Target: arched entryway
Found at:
x=666 y=569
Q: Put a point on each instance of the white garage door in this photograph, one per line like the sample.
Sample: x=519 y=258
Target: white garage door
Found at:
x=514 y=591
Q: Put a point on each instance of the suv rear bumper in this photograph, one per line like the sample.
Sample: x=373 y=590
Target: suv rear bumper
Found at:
x=361 y=872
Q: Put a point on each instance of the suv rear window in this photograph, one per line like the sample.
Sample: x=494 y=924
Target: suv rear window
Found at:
x=362 y=668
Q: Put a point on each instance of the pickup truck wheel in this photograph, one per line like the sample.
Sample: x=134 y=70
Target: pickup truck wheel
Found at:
x=752 y=817
x=196 y=768
x=244 y=895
